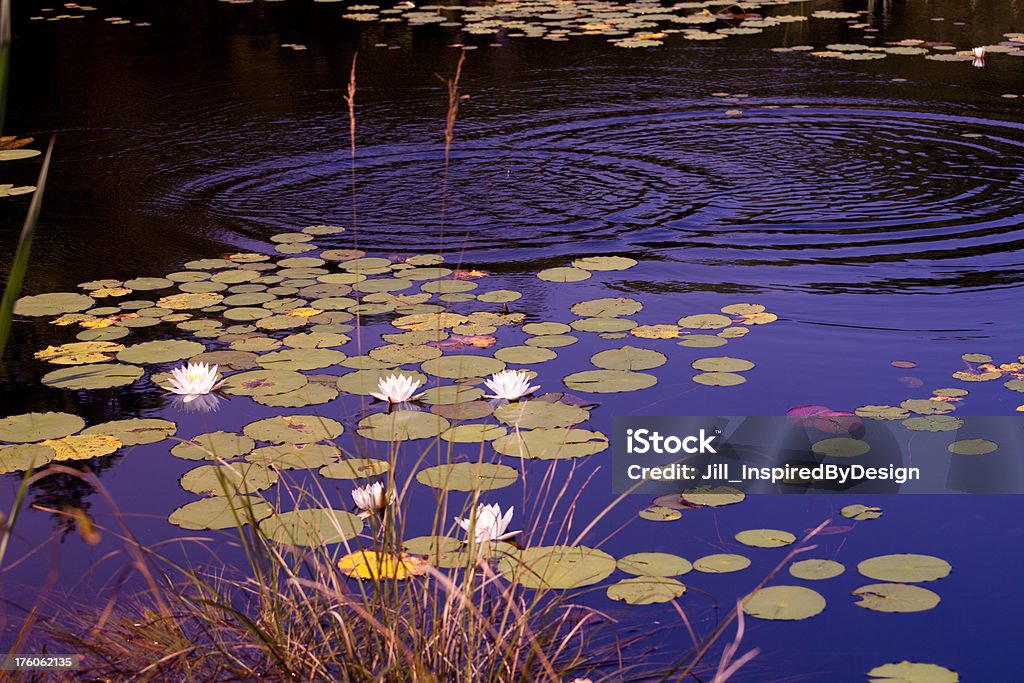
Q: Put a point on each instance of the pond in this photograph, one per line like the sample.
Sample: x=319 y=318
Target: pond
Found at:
x=829 y=191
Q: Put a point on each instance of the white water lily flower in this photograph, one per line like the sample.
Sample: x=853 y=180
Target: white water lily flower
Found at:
x=510 y=385
x=193 y=380
x=372 y=498
x=979 y=57
x=490 y=524
x=396 y=389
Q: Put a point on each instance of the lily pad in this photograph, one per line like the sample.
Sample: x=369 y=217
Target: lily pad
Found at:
x=563 y=274
x=311 y=527
x=38 y=426
x=784 y=603
x=23 y=457
x=362 y=382
x=468 y=476
x=628 y=358
x=473 y=433
x=296 y=429
x=190 y=300
x=609 y=381
x=549 y=444
x=401 y=354
x=98 y=376
x=905 y=568
x=816 y=570
x=533 y=414
x=705 y=321
x=933 y=423
x=604 y=325
x=374 y=565
x=721 y=563
x=213 y=445
x=896 y=597
x=721 y=364
x=301 y=359
x=713 y=496
x=765 y=538
x=860 y=512
x=552 y=341
x=658 y=513
x=558 y=566
x=912 y=672
x=607 y=308
x=451 y=393
x=228 y=480
x=604 y=263
x=264 y=382
x=163 y=351
x=654 y=564
x=402 y=425
x=702 y=341
x=54 y=303
x=646 y=590
x=719 y=379
x=355 y=468
x=133 y=432
x=841 y=447
x=220 y=512
x=455 y=367
x=314 y=393
x=973 y=447
x=79 y=353
x=525 y=355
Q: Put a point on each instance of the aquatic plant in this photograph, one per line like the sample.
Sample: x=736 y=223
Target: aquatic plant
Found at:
x=397 y=388
x=510 y=385
x=371 y=499
x=193 y=380
x=487 y=523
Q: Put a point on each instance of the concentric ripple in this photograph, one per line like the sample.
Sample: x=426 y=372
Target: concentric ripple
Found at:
x=787 y=186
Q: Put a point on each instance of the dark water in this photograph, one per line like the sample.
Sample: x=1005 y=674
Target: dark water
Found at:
x=880 y=218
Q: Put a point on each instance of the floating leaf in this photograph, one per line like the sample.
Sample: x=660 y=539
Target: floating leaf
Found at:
x=311 y=527
x=702 y=341
x=765 y=538
x=296 y=429
x=402 y=425
x=973 y=447
x=896 y=597
x=552 y=341
x=927 y=406
x=713 y=496
x=362 y=382
x=549 y=444
x=468 y=476
x=213 y=445
x=742 y=309
x=312 y=394
x=905 y=568
x=607 y=307
x=882 y=412
x=82 y=446
x=162 y=351
x=609 y=381
x=604 y=263
x=977 y=357
x=564 y=274
x=545 y=329
x=355 y=468
x=719 y=379
x=784 y=603
x=654 y=564
x=933 y=423
x=912 y=672
x=603 y=324
x=816 y=570
x=524 y=355
x=841 y=447
x=220 y=512
x=860 y=512
x=190 y=300
x=228 y=480
x=22 y=457
x=722 y=364
x=38 y=426
x=705 y=321
x=533 y=414
x=646 y=590
x=133 y=432
x=721 y=563
x=558 y=566
x=628 y=358
x=52 y=304
x=264 y=382
x=468 y=410
x=473 y=433
x=301 y=359
x=657 y=513
x=79 y=353
x=401 y=354
x=462 y=366
x=374 y=565
x=98 y=376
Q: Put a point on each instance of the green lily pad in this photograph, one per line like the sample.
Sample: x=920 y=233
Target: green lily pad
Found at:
x=933 y=423
x=524 y=355
x=213 y=445
x=455 y=367
x=550 y=444
x=401 y=354
x=705 y=321
x=500 y=296
x=402 y=425
x=97 y=376
x=912 y=672
x=451 y=393
x=39 y=426
x=473 y=433
x=315 y=340
x=713 y=496
x=54 y=303
x=558 y=566
x=977 y=357
x=163 y=351
x=877 y=412
x=362 y=382
x=654 y=564
x=546 y=329
x=925 y=406
x=294 y=429
x=311 y=527
x=860 y=512
x=719 y=379
x=721 y=364
x=607 y=308
x=142 y=284
x=905 y=568
x=355 y=468
x=314 y=393
x=135 y=431
x=603 y=324
x=295 y=456
x=973 y=447
x=467 y=410
x=552 y=341
x=721 y=563
x=816 y=570
x=220 y=512
x=563 y=274
x=896 y=597
x=765 y=538
x=609 y=381
x=742 y=309
x=264 y=382
x=24 y=457
x=301 y=359
x=468 y=476
x=841 y=447
x=228 y=480
x=658 y=513
x=646 y=590
x=190 y=300
x=604 y=263
x=533 y=414
x=702 y=341
x=784 y=603
x=628 y=358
